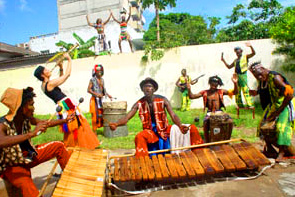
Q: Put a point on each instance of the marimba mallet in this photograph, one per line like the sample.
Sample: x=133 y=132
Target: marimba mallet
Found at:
x=58 y=109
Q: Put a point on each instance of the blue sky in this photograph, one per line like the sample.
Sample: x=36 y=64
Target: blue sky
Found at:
x=22 y=19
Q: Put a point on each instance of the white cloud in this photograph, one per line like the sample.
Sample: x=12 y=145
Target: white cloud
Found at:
x=24 y=6
x=2 y=6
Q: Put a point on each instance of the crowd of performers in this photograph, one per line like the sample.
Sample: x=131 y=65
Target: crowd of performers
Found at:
x=18 y=156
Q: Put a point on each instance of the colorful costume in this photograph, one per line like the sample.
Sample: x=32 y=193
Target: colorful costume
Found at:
x=186 y=102
x=17 y=169
x=156 y=131
x=96 y=109
x=76 y=132
x=286 y=118
x=123 y=34
x=100 y=37
x=241 y=66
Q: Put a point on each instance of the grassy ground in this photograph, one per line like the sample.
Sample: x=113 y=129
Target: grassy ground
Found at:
x=244 y=127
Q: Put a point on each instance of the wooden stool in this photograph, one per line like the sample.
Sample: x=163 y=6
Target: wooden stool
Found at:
x=247 y=108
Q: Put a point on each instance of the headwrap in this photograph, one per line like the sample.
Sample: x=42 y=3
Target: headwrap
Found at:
x=215 y=79
x=12 y=99
x=97 y=67
x=38 y=72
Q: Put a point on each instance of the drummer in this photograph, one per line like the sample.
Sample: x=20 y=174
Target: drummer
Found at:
x=280 y=109
x=213 y=99
x=157 y=134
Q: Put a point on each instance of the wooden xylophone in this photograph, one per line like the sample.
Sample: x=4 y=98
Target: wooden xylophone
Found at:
x=84 y=174
x=213 y=160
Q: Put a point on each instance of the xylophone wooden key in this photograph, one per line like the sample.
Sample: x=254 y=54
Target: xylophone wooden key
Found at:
x=157 y=168
x=187 y=165
x=138 y=173
x=194 y=161
x=149 y=168
x=143 y=169
x=179 y=167
x=247 y=158
x=226 y=162
x=163 y=166
x=234 y=157
x=171 y=166
x=257 y=155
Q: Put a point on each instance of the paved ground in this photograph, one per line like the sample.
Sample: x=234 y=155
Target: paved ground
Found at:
x=276 y=181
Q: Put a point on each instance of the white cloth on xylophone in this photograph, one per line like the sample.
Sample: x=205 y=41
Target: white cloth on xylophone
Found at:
x=178 y=139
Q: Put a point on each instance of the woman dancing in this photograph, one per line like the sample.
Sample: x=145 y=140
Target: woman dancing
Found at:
x=77 y=132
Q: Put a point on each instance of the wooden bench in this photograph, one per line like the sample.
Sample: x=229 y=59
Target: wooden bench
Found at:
x=246 y=108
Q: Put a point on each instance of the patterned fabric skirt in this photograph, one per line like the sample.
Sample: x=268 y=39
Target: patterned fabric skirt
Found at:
x=96 y=111
x=76 y=132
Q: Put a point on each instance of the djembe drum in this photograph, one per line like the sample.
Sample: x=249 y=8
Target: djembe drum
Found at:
x=220 y=126
x=268 y=131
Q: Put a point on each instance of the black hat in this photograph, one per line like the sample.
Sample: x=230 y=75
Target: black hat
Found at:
x=149 y=80
x=38 y=72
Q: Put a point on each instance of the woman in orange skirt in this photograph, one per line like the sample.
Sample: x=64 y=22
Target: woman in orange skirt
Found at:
x=77 y=132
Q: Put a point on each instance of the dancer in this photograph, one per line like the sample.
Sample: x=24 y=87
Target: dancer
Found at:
x=280 y=111
x=77 y=132
x=124 y=35
x=97 y=89
x=241 y=66
x=101 y=38
x=157 y=134
x=182 y=84
x=15 y=136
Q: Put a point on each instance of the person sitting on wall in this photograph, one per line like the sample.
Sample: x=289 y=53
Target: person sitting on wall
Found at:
x=157 y=134
x=124 y=35
x=17 y=155
x=213 y=100
x=101 y=37
x=279 y=110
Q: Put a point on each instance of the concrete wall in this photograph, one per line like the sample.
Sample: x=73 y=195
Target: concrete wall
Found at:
x=124 y=72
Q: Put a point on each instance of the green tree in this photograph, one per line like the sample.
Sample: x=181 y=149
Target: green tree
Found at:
x=283 y=32
x=159 y=6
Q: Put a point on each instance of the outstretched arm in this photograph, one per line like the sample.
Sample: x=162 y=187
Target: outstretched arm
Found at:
x=229 y=66
x=124 y=120
x=88 y=22
x=248 y=44
x=60 y=80
x=235 y=90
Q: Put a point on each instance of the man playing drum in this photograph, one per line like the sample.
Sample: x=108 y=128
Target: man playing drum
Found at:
x=157 y=133
x=279 y=111
x=17 y=155
x=213 y=100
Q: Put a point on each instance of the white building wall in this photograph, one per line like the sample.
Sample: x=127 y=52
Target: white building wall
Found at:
x=124 y=72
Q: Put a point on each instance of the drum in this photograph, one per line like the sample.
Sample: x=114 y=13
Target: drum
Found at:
x=268 y=131
x=220 y=126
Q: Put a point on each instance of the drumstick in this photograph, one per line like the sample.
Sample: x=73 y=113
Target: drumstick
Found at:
x=47 y=179
x=58 y=109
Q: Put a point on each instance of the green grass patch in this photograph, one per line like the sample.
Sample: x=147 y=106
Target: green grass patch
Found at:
x=244 y=127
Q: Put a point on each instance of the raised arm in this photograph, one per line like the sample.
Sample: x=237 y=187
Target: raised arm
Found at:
x=107 y=19
x=88 y=22
x=129 y=14
x=114 y=18
x=248 y=44
x=235 y=90
x=191 y=95
x=229 y=66
x=60 y=80
x=124 y=120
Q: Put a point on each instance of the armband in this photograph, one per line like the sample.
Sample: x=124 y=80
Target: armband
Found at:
x=288 y=90
x=230 y=93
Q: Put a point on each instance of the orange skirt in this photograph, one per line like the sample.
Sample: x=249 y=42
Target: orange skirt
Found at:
x=96 y=114
x=78 y=131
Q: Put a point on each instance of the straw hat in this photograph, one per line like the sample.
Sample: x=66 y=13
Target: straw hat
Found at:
x=12 y=98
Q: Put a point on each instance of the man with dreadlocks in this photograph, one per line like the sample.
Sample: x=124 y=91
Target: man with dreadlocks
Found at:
x=213 y=100
x=97 y=89
x=241 y=66
x=279 y=110
x=17 y=155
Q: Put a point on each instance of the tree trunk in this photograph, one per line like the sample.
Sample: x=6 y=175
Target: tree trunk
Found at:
x=158 y=21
